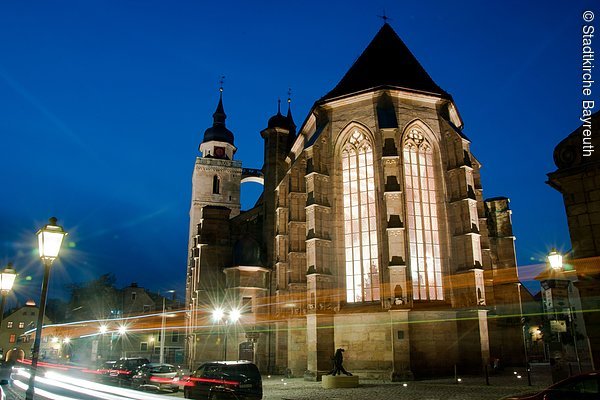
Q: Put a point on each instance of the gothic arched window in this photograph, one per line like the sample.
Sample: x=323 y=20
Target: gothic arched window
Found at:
x=216 y=185
x=360 y=220
x=422 y=218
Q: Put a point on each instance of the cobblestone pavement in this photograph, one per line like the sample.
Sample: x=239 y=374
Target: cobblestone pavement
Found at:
x=278 y=388
x=471 y=387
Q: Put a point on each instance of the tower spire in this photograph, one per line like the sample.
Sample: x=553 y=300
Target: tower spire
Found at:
x=218 y=132
x=289 y=117
x=219 y=115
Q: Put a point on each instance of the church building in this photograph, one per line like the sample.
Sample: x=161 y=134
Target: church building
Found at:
x=371 y=235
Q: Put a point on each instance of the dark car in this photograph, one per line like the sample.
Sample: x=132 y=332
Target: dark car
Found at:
x=122 y=371
x=160 y=376
x=103 y=371
x=231 y=380
x=579 y=387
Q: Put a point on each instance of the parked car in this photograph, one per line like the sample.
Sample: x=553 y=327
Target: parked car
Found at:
x=123 y=370
x=104 y=370
x=579 y=387
x=161 y=376
x=224 y=380
x=3 y=382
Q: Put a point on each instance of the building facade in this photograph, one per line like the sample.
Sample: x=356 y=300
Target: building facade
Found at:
x=371 y=234
x=577 y=178
x=15 y=345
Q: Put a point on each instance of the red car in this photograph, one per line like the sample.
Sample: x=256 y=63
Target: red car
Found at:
x=579 y=387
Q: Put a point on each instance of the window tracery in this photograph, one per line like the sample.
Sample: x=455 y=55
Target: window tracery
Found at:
x=360 y=220
x=422 y=218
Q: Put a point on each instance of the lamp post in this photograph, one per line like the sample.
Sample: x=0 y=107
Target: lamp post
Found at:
x=162 y=331
x=7 y=279
x=101 y=346
x=219 y=316
x=122 y=331
x=523 y=322
x=557 y=305
x=50 y=238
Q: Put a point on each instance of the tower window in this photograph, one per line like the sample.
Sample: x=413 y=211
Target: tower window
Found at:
x=360 y=226
x=422 y=218
x=216 y=185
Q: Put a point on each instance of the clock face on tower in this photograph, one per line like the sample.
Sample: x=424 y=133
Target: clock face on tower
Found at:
x=219 y=152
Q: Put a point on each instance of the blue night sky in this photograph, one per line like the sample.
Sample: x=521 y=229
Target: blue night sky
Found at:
x=103 y=105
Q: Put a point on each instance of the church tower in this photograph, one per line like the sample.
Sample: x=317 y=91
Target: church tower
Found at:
x=215 y=199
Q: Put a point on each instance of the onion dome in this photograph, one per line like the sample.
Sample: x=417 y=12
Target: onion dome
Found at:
x=219 y=132
x=278 y=120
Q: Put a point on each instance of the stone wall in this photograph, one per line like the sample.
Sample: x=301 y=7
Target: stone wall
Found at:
x=434 y=346
x=366 y=339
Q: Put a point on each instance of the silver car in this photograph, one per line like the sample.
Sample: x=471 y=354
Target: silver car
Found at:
x=156 y=376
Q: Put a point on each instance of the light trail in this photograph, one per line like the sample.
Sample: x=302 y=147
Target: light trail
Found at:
x=81 y=386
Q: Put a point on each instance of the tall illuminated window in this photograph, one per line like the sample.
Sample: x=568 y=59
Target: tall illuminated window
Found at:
x=360 y=226
x=422 y=218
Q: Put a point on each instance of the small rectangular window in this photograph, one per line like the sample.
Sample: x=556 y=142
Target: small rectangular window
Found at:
x=21 y=325
x=9 y=324
x=246 y=304
x=143 y=346
x=13 y=338
x=175 y=337
x=133 y=295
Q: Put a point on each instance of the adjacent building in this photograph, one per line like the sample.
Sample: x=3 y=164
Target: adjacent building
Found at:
x=14 y=345
x=372 y=234
x=577 y=178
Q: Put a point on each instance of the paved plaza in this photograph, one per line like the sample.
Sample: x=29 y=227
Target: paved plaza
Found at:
x=279 y=388
x=470 y=387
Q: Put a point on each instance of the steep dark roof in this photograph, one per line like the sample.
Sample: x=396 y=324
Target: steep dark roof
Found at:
x=218 y=132
x=385 y=62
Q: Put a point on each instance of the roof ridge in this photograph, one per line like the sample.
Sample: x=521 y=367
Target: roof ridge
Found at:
x=386 y=61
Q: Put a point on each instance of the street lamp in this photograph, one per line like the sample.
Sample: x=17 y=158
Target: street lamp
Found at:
x=555 y=259
x=162 y=331
x=227 y=318
x=523 y=328
x=50 y=238
x=7 y=279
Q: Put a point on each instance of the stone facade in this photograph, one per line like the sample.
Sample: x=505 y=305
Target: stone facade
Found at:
x=578 y=180
x=372 y=235
x=13 y=341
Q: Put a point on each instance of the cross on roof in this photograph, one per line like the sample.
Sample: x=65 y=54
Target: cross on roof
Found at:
x=384 y=17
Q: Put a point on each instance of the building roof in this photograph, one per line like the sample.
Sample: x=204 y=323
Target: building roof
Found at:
x=568 y=153
x=386 y=62
x=219 y=132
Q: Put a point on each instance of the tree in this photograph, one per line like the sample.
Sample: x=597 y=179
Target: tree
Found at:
x=94 y=299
